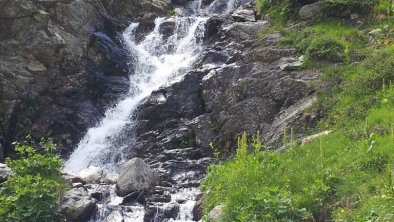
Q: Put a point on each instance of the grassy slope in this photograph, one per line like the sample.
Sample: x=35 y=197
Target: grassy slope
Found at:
x=345 y=176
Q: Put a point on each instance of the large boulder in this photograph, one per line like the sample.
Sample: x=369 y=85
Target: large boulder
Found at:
x=77 y=205
x=135 y=175
x=311 y=10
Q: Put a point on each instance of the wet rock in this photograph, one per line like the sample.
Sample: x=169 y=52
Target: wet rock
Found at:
x=167 y=29
x=180 y=2
x=311 y=10
x=114 y=216
x=212 y=27
x=77 y=205
x=145 y=26
x=153 y=213
x=213 y=57
x=198 y=208
x=114 y=57
x=90 y=175
x=135 y=175
x=207 y=2
x=5 y=172
x=215 y=214
x=181 y=100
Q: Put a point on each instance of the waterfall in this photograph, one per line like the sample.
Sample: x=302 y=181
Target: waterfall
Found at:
x=160 y=59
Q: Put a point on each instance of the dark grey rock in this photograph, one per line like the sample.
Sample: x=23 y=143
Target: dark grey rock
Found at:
x=77 y=205
x=135 y=175
x=245 y=30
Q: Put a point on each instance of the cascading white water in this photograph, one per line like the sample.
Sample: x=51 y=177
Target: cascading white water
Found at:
x=159 y=61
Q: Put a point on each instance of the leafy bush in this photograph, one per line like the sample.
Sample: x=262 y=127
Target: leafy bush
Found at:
x=33 y=190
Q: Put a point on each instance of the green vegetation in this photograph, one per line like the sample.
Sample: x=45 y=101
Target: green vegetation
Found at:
x=346 y=175
x=171 y=13
x=33 y=190
x=284 y=11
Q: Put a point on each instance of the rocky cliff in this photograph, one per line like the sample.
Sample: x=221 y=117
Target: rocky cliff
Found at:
x=62 y=64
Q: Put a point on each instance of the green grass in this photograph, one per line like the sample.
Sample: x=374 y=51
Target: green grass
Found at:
x=332 y=178
x=345 y=176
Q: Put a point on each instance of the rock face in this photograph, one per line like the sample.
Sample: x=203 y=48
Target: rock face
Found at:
x=77 y=205
x=5 y=172
x=62 y=65
x=135 y=175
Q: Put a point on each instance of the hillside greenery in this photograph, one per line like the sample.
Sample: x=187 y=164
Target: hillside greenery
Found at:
x=344 y=176
x=33 y=191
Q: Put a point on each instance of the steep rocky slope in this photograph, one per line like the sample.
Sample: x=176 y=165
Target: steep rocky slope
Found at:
x=62 y=65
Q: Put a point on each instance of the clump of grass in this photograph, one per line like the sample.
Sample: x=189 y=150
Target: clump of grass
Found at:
x=326 y=49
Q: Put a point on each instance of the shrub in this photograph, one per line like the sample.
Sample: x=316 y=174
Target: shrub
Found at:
x=326 y=49
x=33 y=190
x=278 y=10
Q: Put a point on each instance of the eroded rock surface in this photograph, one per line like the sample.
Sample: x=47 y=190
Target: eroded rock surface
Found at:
x=62 y=65
x=135 y=175
x=77 y=205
